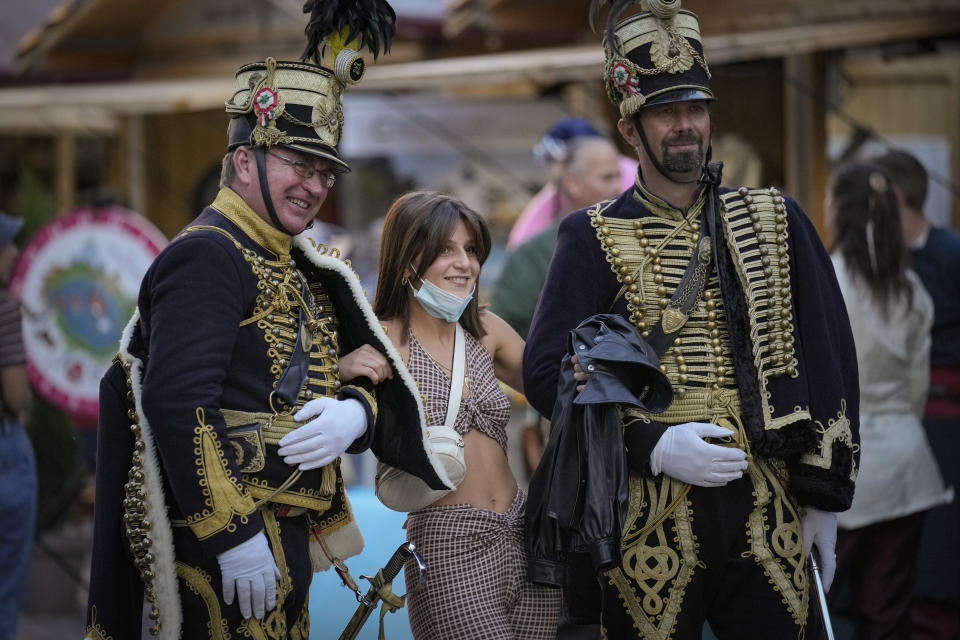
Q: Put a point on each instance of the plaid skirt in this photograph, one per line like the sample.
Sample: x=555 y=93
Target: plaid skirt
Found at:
x=476 y=585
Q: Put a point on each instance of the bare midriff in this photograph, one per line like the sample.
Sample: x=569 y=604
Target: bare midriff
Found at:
x=489 y=482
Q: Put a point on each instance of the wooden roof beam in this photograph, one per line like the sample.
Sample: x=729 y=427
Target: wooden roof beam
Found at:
x=538 y=68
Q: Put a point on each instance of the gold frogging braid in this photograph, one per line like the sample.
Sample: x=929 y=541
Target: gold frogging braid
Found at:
x=279 y=284
x=276 y=314
x=755 y=221
x=648 y=257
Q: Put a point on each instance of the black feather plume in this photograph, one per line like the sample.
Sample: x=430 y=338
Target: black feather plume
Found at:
x=372 y=21
x=617 y=7
x=596 y=6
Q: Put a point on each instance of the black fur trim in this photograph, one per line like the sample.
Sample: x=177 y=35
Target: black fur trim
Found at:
x=825 y=489
x=738 y=320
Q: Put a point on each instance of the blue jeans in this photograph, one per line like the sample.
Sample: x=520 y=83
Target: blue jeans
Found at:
x=18 y=512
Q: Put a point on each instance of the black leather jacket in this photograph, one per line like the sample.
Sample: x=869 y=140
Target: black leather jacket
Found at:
x=578 y=495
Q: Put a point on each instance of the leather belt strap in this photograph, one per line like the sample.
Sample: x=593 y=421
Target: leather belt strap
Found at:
x=295 y=373
x=688 y=292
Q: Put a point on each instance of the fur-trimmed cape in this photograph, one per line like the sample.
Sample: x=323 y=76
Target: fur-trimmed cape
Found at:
x=398 y=435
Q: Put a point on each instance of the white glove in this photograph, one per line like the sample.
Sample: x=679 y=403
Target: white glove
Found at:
x=682 y=453
x=249 y=569
x=820 y=529
x=334 y=426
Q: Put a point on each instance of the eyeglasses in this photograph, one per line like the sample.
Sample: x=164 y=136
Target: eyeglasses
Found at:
x=305 y=171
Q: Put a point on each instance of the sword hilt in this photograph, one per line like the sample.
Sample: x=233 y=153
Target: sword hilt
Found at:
x=397 y=560
x=384 y=577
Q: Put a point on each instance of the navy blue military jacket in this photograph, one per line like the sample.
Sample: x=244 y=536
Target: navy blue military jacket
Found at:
x=189 y=421
x=213 y=336
x=770 y=335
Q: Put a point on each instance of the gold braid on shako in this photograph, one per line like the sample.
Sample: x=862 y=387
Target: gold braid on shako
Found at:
x=300 y=104
x=650 y=53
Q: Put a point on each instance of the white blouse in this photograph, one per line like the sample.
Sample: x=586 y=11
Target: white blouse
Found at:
x=898 y=473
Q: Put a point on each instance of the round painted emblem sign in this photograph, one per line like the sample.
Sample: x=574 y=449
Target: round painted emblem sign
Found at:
x=78 y=280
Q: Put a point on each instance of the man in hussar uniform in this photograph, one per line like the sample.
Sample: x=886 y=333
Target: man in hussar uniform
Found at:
x=252 y=363
x=743 y=473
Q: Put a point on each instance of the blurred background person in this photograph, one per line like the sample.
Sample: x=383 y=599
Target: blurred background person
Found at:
x=18 y=471
x=898 y=482
x=935 y=254
x=586 y=170
x=432 y=249
x=589 y=172
x=552 y=151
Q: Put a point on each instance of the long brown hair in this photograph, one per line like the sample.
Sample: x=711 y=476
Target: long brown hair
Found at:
x=415 y=231
x=868 y=233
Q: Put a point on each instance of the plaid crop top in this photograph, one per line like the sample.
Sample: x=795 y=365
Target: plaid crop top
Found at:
x=483 y=407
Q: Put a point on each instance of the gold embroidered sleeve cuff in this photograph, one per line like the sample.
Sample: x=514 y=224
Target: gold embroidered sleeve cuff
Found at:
x=369 y=401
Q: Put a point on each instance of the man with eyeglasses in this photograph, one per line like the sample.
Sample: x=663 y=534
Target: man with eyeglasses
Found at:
x=251 y=364
x=296 y=185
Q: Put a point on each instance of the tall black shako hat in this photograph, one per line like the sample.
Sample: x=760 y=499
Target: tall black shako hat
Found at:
x=653 y=57
x=300 y=104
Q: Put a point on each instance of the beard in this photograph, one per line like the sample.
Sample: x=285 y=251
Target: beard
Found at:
x=682 y=162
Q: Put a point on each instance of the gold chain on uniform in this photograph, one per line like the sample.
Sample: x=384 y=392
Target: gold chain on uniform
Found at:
x=633 y=289
x=278 y=283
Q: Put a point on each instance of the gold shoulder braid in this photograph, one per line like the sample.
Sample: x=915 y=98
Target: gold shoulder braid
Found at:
x=755 y=225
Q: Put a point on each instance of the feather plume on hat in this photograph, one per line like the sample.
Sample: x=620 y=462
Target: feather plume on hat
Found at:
x=349 y=24
x=617 y=7
x=300 y=104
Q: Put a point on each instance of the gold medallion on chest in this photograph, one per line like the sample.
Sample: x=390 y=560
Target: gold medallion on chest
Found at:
x=306 y=337
x=672 y=319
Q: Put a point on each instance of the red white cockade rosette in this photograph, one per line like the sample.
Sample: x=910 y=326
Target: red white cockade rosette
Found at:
x=624 y=79
x=265 y=102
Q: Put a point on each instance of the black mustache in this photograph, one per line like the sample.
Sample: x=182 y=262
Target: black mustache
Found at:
x=684 y=139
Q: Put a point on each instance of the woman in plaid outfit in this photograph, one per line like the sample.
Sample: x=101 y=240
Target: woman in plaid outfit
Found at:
x=431 y=252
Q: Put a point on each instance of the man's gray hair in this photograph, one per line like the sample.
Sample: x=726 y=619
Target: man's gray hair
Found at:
x=227 y=171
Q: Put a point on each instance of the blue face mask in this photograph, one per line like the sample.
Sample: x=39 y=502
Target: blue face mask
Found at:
x=439 y=303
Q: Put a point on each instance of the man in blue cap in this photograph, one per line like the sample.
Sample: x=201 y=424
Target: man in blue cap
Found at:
x=553 y=151
x=743 y=473
x=584 y=169
x=18 y=471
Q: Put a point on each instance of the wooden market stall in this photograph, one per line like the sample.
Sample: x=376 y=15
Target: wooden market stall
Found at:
x=790 y=75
